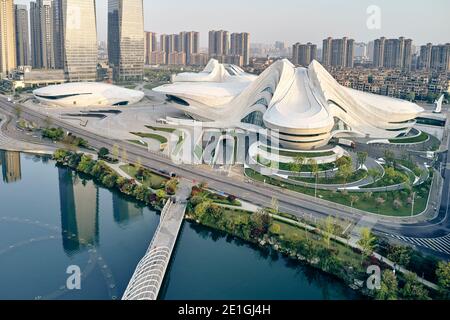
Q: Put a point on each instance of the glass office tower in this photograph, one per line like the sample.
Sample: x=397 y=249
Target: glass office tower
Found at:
x=126 y=39
x=79 y=39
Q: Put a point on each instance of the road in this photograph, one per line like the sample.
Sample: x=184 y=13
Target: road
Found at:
x=289 y=202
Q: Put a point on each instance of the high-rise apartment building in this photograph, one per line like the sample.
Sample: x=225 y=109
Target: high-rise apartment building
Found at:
x=338 y=52
x=22 y=35
x=434 y=57
x=150 y=46
x=58 y=34
x=240 y=45
x=36 y=35
x=304 y=54
x=42 y=32
x=78 y=23
x=7 y=37
x=219 y=43
x=393 y=53
x=126 y=39
x=190 y=43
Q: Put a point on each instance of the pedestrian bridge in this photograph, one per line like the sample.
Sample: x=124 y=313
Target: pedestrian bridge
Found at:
x=149 y=274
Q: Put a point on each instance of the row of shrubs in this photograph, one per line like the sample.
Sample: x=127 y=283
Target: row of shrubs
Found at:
x=57 y=134
x=107 y=177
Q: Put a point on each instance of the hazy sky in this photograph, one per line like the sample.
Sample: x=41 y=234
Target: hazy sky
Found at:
x=295 y=20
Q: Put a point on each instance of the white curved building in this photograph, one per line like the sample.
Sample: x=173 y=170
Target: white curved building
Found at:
x=306 y=105
x=87 y=94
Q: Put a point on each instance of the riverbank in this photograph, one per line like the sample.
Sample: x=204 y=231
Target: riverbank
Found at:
x=319 y=247
x=99 y=171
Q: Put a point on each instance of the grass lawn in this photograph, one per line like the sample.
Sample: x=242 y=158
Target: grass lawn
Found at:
x=287 y=166
x=356 y=176
x=294 y=154
x=420 y=138
x=168 y=130
x=152 y=180
x=153 y=136
x=368 y=204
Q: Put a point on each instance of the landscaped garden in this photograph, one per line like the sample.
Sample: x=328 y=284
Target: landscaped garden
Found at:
x=317 y=246
x=337 y=179
x=422 y=137
x=393 y=203
x=144 y=176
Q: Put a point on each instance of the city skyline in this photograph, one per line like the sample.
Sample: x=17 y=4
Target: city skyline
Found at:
x=202 y=19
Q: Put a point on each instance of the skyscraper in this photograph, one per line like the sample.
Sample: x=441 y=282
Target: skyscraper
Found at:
x=22 y=37
x=79 y=39
x=126 y=39
x=338 y=52
x=304 y=54
x=240 y=46
x=7 y=38
x=48 y=52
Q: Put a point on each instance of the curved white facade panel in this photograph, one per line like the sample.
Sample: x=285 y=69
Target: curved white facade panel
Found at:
x=306 y=105
x=87 y=94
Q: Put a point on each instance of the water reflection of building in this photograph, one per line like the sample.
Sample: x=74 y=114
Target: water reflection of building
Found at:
x=125 y=210
x=79 y=211
x=10 y=163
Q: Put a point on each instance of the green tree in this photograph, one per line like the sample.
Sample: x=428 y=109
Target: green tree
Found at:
x=362 y=157
x=399 y=254
x=413 y=290
x=367 y=241
x=260 y=223
x=443 y=279
x=389 y=286
x=299 y=161
x=103 y=152
x=274 y=205
x=115 y=151
x=353 y=199
x=328 y=230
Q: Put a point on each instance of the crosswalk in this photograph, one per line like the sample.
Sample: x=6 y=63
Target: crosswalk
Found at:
x=441 y=244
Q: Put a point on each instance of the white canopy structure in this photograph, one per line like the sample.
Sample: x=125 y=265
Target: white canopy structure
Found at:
x=306 y=105
x=87 y=94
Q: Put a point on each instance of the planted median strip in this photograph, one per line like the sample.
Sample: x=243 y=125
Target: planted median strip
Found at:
x=157 y=137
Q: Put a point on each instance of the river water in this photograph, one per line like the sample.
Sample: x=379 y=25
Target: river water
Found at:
x=53 y=221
